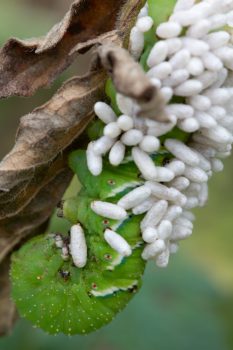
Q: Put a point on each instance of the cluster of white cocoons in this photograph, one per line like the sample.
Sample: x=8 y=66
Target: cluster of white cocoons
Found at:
x=192 y=60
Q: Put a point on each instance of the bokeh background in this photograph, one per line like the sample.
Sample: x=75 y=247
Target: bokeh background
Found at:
x=187 y=306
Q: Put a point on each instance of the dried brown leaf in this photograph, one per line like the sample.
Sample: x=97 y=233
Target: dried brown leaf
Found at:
x=26 y=65
x=7 y=308
x=35 y=214
x=42 y=136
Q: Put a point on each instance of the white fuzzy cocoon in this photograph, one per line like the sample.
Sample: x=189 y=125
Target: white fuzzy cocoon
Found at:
x=153 y=249
x=150 y=234
x=117 y=242
x=134 y=197
x=104 y=112
x=78 y=247
x=94 y=161
x=154 y=215
x=108 y=210
x=144 y=163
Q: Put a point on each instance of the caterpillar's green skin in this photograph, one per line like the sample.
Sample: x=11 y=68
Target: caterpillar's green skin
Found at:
x=54 y=294
x=90 y=297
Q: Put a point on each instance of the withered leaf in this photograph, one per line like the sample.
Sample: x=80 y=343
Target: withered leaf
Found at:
x=42 y=135
x=7 y=308
x=30 y=220
x=26 y=65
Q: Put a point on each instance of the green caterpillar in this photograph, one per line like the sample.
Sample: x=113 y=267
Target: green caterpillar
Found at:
x=57 y=296
x=78 y=282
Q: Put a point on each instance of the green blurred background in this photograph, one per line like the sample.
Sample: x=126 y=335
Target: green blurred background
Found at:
x=187 y=306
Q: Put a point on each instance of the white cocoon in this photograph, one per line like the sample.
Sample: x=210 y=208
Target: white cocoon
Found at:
x=78 y=247
x=117 y=242
x=108 y=210
x=134 y=197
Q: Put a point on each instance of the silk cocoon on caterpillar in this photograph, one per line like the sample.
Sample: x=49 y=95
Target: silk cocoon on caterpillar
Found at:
x=141 y=177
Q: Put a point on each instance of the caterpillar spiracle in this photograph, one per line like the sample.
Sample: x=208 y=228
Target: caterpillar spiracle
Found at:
x=140 y=177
